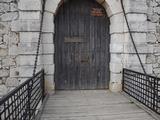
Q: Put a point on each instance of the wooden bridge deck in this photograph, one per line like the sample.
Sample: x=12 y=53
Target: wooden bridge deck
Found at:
x=91 y=105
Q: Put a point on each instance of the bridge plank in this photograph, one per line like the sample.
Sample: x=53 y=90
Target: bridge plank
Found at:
x=91 y=105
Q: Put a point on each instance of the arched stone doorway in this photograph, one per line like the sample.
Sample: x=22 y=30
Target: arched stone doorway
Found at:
x=81 y=46
x=114 y=12
x=26 y=27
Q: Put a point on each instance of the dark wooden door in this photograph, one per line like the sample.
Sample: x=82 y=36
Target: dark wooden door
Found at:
x=81 y=46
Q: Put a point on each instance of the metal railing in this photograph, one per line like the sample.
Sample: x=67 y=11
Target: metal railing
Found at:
x=22 y=102
x=144 y=88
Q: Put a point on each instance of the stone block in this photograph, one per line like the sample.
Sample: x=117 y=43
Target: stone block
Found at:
x=28 y=48
x=151 y=59
x=137 y=67
x=13 y=50
x=3 y=90
x=3 y=46
x=13 y=6
x=137 y=26
x=12 y=82
x=51 y=5
x=30 y=4
x=133 y=59
x=4 y=7
x=117 y=24
x=49 y=84
x=107 y=8
x=156 y=65
x=27 y=71
x=149 y=69
x=28 y=60
x=149 y=12
x=151 y=37
x=49 y=69
x=116 y=78
x=9 y=16
x=135 y=6
x=116 y=67
x=136 y=17
x=3 y=80
x=48 y=48
x=152 y=3
x=29 y=37
x=141 y=48
x=156 y=48
x=12 y=61
x=3 y=40
x=47 y=38
x=117 y=38
x=156 y=71
x=35 y=15
x=125 y=38
x=4 y=73
x=5 y=62
x=14 y=72
x=153 y=17
x=156 y=9
x=139 y=38
x=3 y=52
x=48 y=59
x=115 y=87
x=4 y=28
x=158 y=59
x=151 y=27
x=9 y=61
x=116 y=58
x=158 y=29
x=116 y=48
x=25 y=25
x=114 y=6
x=11 y=38
x=48 y=24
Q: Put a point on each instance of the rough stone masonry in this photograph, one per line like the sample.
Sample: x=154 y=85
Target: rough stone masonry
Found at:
x=20 y=26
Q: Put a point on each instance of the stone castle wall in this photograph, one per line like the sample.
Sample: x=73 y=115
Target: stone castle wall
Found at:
x=19 y=32
x=153 y=35
x=8 y=45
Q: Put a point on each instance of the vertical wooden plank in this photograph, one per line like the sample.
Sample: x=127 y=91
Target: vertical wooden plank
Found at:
x=62 y=55
x=56 y=49
x=101 y=62
x=57 y=53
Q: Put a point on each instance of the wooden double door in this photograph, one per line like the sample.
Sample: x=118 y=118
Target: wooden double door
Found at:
x=81 y=46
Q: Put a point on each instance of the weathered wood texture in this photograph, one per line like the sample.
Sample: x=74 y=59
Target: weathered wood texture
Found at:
x=91 y=105
x=82 y=46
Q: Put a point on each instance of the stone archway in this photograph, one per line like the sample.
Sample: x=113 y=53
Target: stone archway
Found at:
x=81 y=46
x=114 y=11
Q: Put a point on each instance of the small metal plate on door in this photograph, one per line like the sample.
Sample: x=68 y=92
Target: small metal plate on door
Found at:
x=97 y=12
x=85 y=58
x=73 y=40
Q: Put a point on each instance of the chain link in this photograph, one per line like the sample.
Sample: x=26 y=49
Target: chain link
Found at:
x=39 y=40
